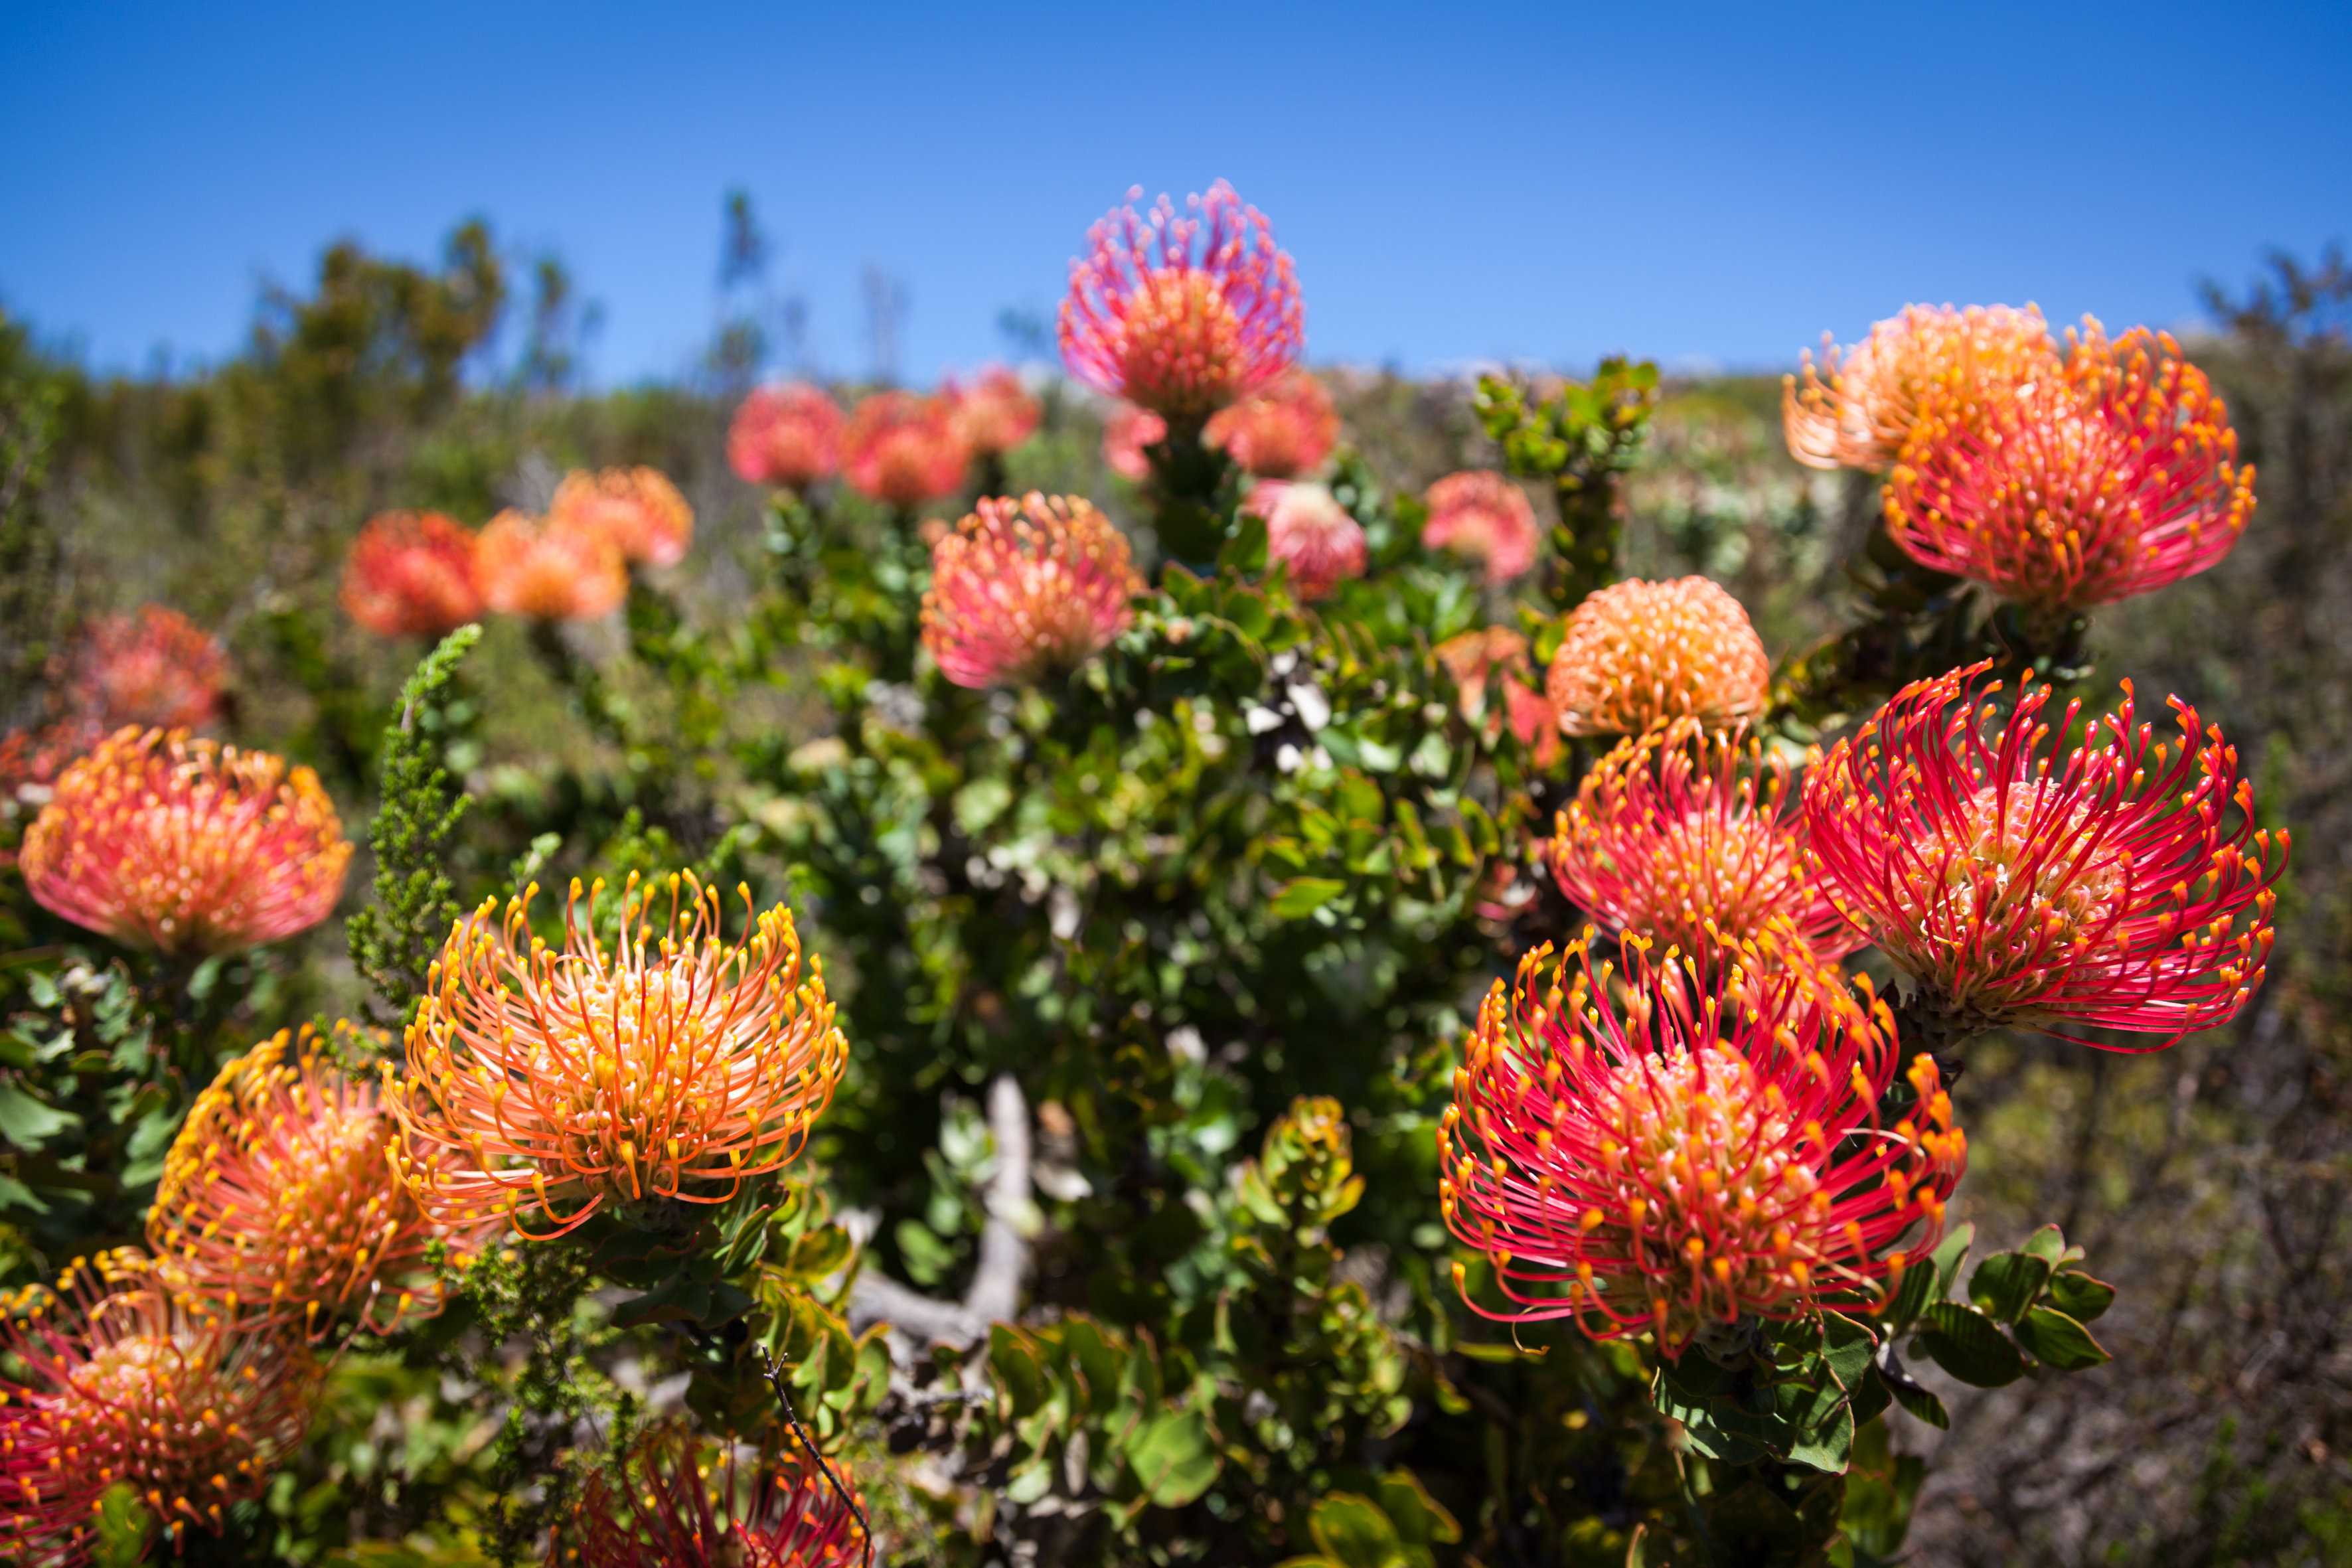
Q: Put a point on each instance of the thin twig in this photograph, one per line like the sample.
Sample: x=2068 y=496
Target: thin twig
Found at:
x=791 y=1417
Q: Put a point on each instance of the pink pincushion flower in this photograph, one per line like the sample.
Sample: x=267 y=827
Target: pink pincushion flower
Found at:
x=996 y=413
x=1126 y=434
x=1637 y=654
x=637 y=509
x=551 y=570
x=903 y=449
x=692 y=1513
x=1307 y=529
x=1483 y=516
x=2125 y=887
x=155 y=667
x=412 y=574
x=1025 y=589
x=1183 y=315
x=1280 y=433
x=788 y=435
x=1858 y=413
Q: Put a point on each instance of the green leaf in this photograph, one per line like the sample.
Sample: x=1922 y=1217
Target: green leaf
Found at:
x=2005 y=1284
x=1352 y=1532
x=2079 y=1297
x=1964 y=1342
x=1950 y=1256
x=1303 y=896
x=2048 y=1244
x=26 y=1122
x=1174 y=1458
x=2058 y=1341
x=1827 y=1446
x=1420 y=1522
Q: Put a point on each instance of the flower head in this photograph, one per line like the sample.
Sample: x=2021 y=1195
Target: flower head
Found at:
x=1636 y=1162
x=2118 y=477
x=1637 y=654
x=412 y=574
x=2123 y=885
x=155 y=667
x=1126 y=434
x=562 y=1081
x=1283 y=431
x=684 y=1510
x=1309 y=531
x=637 y=509
x=1684 y=837
x=186 y=847
x=1483 y=516
x=1183 y=315
x=788 y=435
x=903 y=449
x=996 y=413
x=1023 y=589
x=551 y=570
x=1858 y=413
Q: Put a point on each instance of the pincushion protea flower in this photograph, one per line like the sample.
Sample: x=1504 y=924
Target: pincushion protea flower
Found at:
x=186 y=847
x=412 y=574
x=551 y=570
x=1283 y=431
x=2125 y=887
x=637 y=509
x=1635 y=1163
x=996 y=413
x=122 y=1384
x=1025 y=589
x=788 y=435
x=560 y=1081
x=1483 y=516
x=1680 y=835
x=2118 y=477
x=1183 y=315
x=276 y=1201
x=1858 y=415
x=1307 y=529
x=1637 y=654
x=903 y=449
x=155 y=667
x=1126 y=434
x=683 y=1510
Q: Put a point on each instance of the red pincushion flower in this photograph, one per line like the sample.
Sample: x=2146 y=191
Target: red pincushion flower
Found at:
x=903 y=449
x=157 y=668
x=672 y=1066
x=996 y=413
x=1308 y=530
x=1637 y=654
x=637 y=509
x=788 y=435
x=2118 y=477
x=2125 y=887
x=1126 y=434
x=551 y=570
x=1859 y=413
x=1483 y=516
x=1025 y=589
x=186 y=847
x=1183 y=316
x=412 y=574
x=1280 y=433
x=681 y=1511
x=1635 y=1164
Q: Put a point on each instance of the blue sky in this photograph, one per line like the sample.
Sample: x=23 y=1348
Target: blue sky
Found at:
x=1701 y=183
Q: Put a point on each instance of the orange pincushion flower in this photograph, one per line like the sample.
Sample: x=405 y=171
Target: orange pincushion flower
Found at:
x=996 y=413
x=674 y=1065
x=2116 y=479
x=1683 y=837
x=1858 y=413
x=788 y=435
x=186 y=847
x=1483 y=516
x=1126 y=434
x=637 y=509
x=1308 y=530
x=2127 y=887
x=903 y=449
x=1635 y=1164
x=412 y=574
x=692 y=1512
x=1025 y=589
x=551 y=570
x=276 y=1200
x=157 y=668
x=1637 y=654
x=1280 y=433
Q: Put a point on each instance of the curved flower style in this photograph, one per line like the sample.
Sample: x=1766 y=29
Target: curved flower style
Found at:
x=996 y=413
x=788 y=435
x=549 y=570
x=1483 y=516
x=903 y=449
x=276 y=1200
x=155 y=667
x=1183 y=316
x=1309 y=531
x=690 y=1513
x=186 y=847
x=122 y=1384
x=2117 y=478
x=1280 y=433
x=2127 y=888
x=675 y=1066
x=1858 y=413
x=637 y=509
x=1126 y=434
x=1679 y=836
x=412 y=574
x=1636 y=1165
x=1025 y=589
x=1637 y=654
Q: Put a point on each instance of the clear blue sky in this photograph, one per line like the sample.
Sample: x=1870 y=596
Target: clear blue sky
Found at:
x=1701 y=183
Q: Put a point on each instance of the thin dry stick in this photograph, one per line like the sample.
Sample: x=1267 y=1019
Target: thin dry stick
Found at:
x=776 y=1381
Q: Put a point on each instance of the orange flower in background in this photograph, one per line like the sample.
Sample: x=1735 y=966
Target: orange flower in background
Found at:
x=1126 y=434
x=1637 y=654
x=996 y=413
x=155 y=667
x=186 y=847
x=637 y=509
x=412 y=574
x=1857 y=414
x=2118 y=477
x=563 y=1080
x=1486 y=517
x=1470 y=656
x=788 y=435
x=549 y=570
x=903 y=449
x=1307 y=529
x=693 y=1510
x=1025 y=589
x=1280 y=433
